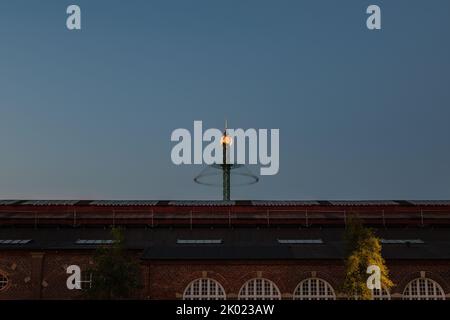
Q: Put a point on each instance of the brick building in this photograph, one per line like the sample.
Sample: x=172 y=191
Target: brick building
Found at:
x=217 y=249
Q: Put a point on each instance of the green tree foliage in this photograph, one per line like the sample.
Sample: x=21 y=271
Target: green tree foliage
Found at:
x=363 y=249
x=116 y=274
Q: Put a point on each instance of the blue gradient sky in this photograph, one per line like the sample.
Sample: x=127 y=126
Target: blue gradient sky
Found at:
x=362 y=115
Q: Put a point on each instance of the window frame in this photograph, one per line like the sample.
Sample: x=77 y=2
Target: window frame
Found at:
x=252 y=284
x=4 y=281
x=384 y=294
x=198 y=284
x=326 y=285
x=413 y=290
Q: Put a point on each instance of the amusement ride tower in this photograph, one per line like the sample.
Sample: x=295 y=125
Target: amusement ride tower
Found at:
x=236 y=174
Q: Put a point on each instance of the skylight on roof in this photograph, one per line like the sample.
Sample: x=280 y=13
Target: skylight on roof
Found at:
x=124 y=203
x=199 y=241
x=89 y=241
x=16 y=241
x=50 y=202
x=300 y=241
x=402 y=241
x=206 y=203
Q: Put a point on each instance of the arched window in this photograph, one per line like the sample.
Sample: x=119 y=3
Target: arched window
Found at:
x=3 y=281
x=423 y=289
x=204 y=289
x=259 y=289
x=314 y=289
x=381 y=294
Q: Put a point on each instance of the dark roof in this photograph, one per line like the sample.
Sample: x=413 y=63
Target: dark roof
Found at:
x=237 y=243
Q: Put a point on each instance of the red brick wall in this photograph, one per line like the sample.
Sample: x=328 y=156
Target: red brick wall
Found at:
x=39 y=275
x=17 y=266
x=42 y=275
x=168 y=280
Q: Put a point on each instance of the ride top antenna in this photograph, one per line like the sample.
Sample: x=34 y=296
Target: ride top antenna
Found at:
x=241 y=175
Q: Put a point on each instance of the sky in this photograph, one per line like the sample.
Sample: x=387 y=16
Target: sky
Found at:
x=88 y=114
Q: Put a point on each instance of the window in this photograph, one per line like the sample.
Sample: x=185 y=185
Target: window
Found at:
x=81 y=241
x=204 y=289
x=3 y=281
x=17 y=241
x=197 y=241
x=381 y=294
x=259 y=289
x=423 y=289
x=402 y=241
x=314 y=289
x=300 y=241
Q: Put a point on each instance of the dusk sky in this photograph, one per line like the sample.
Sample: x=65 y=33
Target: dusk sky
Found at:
x=88 y=114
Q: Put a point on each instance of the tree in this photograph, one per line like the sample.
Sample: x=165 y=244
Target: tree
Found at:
x=115 y=275
x=363 y=249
